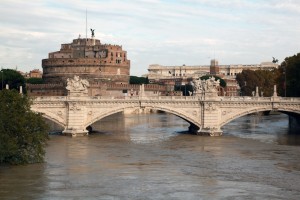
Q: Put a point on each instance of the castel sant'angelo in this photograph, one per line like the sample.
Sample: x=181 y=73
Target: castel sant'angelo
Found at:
x=89 y=59
x=105 y=66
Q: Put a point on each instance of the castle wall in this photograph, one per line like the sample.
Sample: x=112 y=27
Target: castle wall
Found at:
x=96 y=89
x=90 y=60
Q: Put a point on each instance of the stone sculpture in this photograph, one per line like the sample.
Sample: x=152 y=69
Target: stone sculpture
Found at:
x=77 y=85
x=201 y=87
x=93 y=32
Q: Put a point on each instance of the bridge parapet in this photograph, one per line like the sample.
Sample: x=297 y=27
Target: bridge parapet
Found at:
x=187 y=98
x=248 y=98
x=48 y=98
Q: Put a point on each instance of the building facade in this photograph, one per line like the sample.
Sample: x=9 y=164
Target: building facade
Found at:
x=180 y=75
x=157 y=72
x=36 y=73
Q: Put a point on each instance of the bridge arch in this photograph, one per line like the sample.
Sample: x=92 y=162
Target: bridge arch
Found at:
x=251 y=111
x=102 y=115
x=194 y=123
x=182 y=115
x=50 y=116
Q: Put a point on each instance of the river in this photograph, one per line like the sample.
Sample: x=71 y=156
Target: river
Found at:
x=150 y=156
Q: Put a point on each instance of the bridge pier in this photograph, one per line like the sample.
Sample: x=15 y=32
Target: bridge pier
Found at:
x=75 y=132
x=205 y=131
x=210 y=132
x=75 y=120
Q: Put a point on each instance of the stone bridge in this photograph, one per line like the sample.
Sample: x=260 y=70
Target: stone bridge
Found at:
x=205 y=116
x=205 y=110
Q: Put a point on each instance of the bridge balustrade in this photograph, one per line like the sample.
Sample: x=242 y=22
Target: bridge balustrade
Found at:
x=206 y=116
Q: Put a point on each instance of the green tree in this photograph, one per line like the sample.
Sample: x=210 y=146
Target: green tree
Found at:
x=265 y=80
x=35 y=81
x=23 y=133
x=138 y=80
x=185 y=89
x=13 y=78
x=289 y=76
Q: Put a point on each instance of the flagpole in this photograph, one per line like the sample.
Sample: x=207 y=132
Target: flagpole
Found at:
x=86 y=24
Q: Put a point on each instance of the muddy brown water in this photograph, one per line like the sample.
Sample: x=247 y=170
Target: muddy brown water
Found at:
x=151 y=157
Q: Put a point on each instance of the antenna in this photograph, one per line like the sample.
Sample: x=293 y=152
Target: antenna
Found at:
x=214 y=53
x=86 y=23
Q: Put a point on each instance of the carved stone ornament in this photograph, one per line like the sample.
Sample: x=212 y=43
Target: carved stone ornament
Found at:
x=197 y=86
x=74 y=107
x=203 y=86
x=77 y=85
x=211 y=85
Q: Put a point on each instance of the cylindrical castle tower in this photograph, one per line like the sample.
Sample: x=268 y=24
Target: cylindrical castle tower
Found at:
x=88 y=59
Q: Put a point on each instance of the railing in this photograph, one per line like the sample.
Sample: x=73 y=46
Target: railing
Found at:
x=50 y=98
x=174 y=98
x=146 y=97
x=248 y=98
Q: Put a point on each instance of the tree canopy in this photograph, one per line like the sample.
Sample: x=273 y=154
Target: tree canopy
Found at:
x=186 y=89
x=13 y=78
x=138 y=80
x=289 y=70
x=23 y=133
x=35 y=81
x=265 y=80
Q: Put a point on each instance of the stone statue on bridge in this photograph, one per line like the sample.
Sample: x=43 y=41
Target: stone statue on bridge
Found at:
x=198 y=87
x=211 y=84
x=77 y=85
x=203 y=87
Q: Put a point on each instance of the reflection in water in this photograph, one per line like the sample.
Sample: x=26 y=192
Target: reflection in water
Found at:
x=150 y=157
x=270 y=129
x=143 y=128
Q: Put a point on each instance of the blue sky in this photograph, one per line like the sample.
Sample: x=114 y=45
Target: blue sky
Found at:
x=165 y=32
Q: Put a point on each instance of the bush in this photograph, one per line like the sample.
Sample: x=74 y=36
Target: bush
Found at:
x=23 y=133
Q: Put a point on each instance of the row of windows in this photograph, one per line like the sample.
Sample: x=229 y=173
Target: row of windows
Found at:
x=118 y=54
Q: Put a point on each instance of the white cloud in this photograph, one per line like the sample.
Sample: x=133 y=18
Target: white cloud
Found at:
x=153 y=31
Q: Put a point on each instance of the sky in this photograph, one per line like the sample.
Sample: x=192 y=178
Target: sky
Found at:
x=165 y=32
